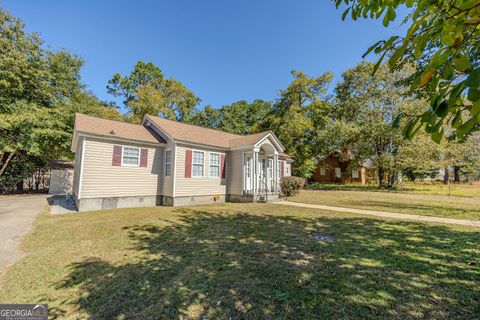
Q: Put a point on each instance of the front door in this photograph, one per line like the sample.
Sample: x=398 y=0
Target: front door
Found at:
x=247 y=170
x=270 y=174
x=263 y=183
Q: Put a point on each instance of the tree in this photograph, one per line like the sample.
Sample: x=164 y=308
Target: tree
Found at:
x=296 y=115
x=242 y=117
x=208 y=117
x=364 y=112
x=442 y=44
x=146 y=91
x=40 y=90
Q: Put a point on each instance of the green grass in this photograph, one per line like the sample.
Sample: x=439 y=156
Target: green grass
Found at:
x=245 y=261
x=428 y=205
x=434 y=188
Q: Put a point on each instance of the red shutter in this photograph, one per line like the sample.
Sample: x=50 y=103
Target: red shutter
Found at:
x=188 y=163
x=143 y=157
x=117 y=156
x=282 y=169
x=222 y=166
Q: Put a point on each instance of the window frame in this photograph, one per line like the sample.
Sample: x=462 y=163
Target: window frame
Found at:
x=167 y=173
x=323 y=171
x=338 y=169
x=210 y=164
x=138 y=158
x=270 y=169
x=357 y=173
x=193 y=164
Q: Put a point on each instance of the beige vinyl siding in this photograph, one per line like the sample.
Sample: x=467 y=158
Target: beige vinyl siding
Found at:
x=196 y=185
x=168 y=180
x=77 y=167
x=101 y=179
x=236 y=170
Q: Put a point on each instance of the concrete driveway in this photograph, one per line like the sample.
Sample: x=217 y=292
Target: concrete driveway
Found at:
x=16 y=216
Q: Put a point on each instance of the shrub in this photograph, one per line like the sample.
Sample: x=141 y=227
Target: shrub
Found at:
x=291 y=185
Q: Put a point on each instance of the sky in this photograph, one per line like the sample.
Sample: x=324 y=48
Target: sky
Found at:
x=222 y=50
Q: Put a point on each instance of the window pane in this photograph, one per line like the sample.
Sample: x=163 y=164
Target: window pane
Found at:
x=197 y=170
x=198 y=157
x=131 y=156
x=214 y=171
x=338 y=173
x=355 y=173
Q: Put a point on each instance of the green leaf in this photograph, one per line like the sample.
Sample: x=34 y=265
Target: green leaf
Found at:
x=461 y=63
x=375 y=68
x=437 y=136
x=466 y=127
x=457 y=120
x=408 y=129
x=475 y=109
x=420 y=46
x=371 y=48
x=473 y=94
x=344 y=15
x=442 y=109
x=396 y=55
x=473 y=80
x=396 y=120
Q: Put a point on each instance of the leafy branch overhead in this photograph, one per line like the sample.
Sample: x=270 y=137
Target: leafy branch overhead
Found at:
x=442 y=43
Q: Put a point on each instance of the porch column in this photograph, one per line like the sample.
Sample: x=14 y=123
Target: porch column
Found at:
x=255 y=171
x=275 y=178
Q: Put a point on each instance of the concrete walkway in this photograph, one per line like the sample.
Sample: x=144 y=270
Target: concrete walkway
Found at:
x=16 y=216
x=402 y=216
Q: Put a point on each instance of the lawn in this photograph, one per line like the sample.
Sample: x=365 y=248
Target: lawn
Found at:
x=245 y=261
x=471 y=189
x=422 y=204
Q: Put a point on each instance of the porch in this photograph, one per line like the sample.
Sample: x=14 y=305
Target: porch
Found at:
x=261 y=173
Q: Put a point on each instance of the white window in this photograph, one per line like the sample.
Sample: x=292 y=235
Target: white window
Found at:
x=338 y=173
x=322 y=171
x=198 y=163
x=287 y=169
x=130 y=156
x=214 y=165
x=355 y=173
x=168 y=162
x=247 y=166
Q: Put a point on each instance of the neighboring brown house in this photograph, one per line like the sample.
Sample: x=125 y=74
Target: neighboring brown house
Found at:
x=333 y=169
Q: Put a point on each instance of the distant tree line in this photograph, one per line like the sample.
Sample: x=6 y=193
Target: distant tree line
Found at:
x=41 y=90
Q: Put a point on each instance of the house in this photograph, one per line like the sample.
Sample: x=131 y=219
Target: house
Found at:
x=338 y=168
x=165 y=162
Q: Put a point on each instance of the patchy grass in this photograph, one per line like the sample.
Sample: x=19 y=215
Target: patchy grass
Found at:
x=435 y=188
x=428 y=205
x=245 y=261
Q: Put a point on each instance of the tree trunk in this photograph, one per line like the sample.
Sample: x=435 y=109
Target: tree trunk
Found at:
x=381 y=176
x=446 y=176
x=392 y=179
x=456 y=173
x=6 y=161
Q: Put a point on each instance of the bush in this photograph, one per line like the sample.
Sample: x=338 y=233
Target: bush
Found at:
x=291 y=185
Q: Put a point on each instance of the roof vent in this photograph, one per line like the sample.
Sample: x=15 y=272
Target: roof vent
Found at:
x=112 y=132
